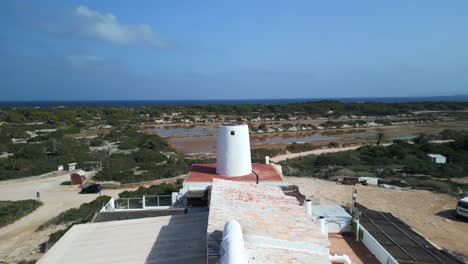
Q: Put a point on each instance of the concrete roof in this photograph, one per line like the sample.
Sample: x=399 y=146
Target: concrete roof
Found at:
x=207 y=172
x=162 y=240
x=436 y=156
x=276 y=228
x=331 y=212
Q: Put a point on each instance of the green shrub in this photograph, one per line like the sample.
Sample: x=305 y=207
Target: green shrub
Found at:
x=163 y=188
x=82 y=214
x=11 y=211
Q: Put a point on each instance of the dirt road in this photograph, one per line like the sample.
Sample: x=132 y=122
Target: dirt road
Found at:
x=430 y=214
x=20 y=239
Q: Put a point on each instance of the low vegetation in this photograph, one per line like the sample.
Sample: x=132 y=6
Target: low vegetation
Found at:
x=82 y=214
x=79 y=215
x=11 y=211
x=159 y=189
x=39 y=154
x=134 y=115
x=399 y=160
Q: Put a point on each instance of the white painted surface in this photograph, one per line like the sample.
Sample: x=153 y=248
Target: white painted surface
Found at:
x=323 y=226
x=370 y=180
x=338 y=220
x=232 y=246
x=192 y=186
x=437 y=158
x=308 y=206
x=71 y=166
x=165 y=239
x=380 y=253
x=340 y=258
x=233 y=151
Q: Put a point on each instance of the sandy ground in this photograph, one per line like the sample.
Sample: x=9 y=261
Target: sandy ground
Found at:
x=19 y=239
x=314 y=152
x=430 y=214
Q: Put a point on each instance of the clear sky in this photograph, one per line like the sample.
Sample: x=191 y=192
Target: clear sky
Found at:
x=212 y=49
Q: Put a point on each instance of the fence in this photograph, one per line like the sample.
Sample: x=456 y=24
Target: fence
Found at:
x=145 y=202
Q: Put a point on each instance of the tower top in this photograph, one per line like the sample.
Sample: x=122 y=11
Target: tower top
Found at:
x=233 y=152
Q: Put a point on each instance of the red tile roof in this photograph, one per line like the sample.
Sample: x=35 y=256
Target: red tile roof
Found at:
x=207 y=172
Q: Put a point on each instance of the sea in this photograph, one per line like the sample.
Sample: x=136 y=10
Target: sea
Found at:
x=129 y=103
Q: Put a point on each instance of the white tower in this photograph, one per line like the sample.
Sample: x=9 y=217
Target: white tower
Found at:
x=233 y=157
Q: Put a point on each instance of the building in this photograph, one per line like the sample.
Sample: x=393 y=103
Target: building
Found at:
x=77 y=177
x=437 y=158
x=72 y=166
x=245 y=214
x=233 y=163
x=92 y=165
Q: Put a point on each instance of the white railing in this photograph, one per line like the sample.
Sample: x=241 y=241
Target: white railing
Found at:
x=145 y=202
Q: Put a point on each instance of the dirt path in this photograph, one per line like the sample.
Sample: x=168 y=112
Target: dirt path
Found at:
x=20 y=237
x=430 y=214
x=331 y=150
x=315 y=152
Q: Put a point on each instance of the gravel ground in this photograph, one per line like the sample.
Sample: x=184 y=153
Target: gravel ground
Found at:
x=430 y=214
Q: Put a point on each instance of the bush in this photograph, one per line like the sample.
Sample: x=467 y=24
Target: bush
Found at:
x=258 y=155
x=11 y=211
x=55 y=236
x=82 y=214
x=163 y=188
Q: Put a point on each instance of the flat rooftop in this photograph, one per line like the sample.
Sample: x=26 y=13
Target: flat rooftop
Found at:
x=162 y=240
x=207 y=172
x=276 y=228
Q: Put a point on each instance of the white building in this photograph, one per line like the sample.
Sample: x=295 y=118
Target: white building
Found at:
x=233 y=152
x=72 y=166
x=437 y=158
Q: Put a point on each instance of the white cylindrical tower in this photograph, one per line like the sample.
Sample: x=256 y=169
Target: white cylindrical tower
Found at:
x=233 y=155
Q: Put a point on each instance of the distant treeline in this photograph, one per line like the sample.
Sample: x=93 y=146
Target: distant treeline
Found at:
x=73 y=115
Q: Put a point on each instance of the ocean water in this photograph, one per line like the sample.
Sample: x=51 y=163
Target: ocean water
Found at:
x=460 y=98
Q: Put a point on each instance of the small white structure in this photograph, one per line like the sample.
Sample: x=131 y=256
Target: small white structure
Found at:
x=72 y=166
x=232 y=245
x=437 y=158
x=60 y=167
x=233 y=151
x=335 y=216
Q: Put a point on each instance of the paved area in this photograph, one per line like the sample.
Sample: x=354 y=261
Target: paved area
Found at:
x=276 y=229
x=19 y=239
x=356 y=251
x=163 y=240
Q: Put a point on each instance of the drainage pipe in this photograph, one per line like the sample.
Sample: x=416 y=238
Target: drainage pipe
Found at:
x=308 y=206
x=323 y=225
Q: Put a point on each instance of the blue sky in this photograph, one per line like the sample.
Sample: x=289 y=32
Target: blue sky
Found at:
x=95 y=50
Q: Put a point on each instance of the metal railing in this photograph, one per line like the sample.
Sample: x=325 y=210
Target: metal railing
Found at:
x=145 y=202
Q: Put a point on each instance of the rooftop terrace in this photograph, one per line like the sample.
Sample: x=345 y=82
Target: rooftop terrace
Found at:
x=276 y=228
x=207 y=172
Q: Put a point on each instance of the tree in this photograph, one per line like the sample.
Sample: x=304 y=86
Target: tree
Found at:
x=380 y=136
x=421 y=139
